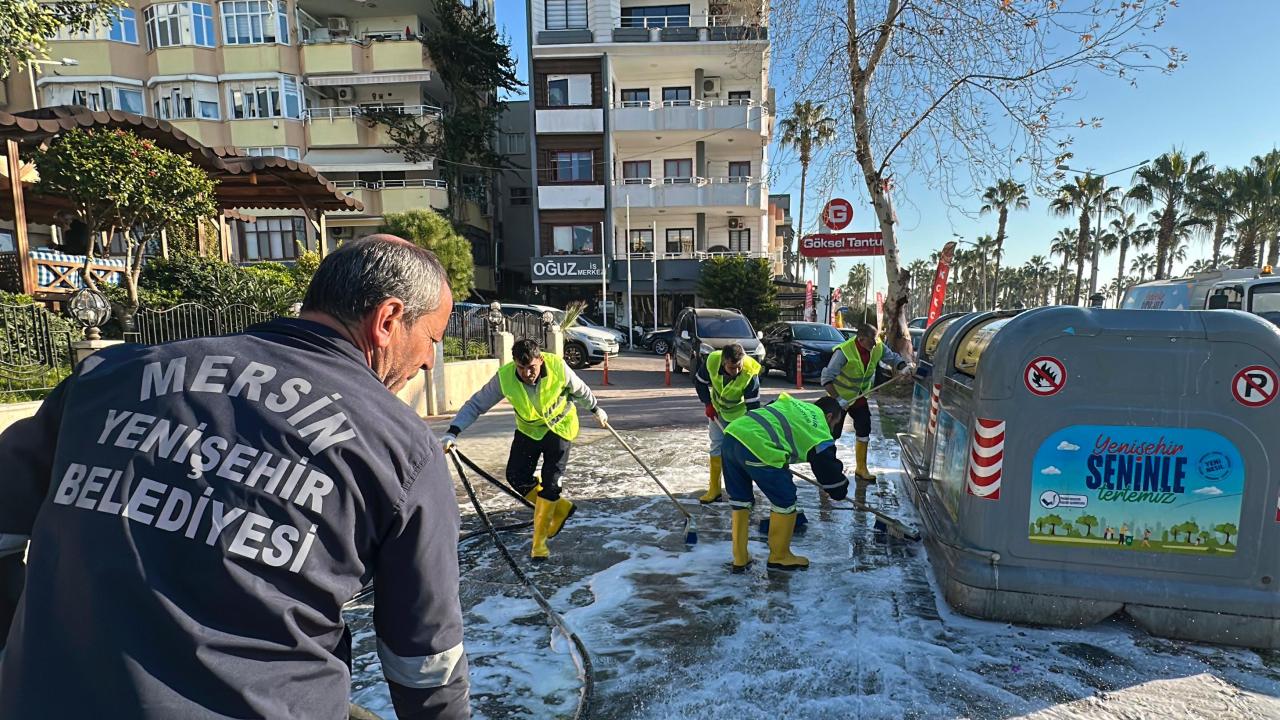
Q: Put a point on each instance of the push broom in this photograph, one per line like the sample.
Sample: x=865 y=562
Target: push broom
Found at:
x=690 y=524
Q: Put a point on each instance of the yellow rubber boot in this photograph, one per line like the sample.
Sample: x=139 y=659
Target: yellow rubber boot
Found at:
x=781 y=527
x=713 y=488
x=541 y=524
x=861 y=472
x=561 y=510
x=532 y=495
x=741 y=525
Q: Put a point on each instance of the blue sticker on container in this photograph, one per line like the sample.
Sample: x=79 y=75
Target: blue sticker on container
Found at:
x=1154 y=489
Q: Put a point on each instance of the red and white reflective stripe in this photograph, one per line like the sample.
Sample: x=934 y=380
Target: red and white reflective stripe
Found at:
x=986 y=459
x=935 y=401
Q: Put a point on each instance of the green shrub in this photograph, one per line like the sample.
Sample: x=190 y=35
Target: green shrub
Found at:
x=268 y=287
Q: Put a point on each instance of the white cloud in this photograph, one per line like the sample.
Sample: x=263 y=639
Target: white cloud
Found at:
x=1051 y=470
x=1064 y=445
x=1211 y=490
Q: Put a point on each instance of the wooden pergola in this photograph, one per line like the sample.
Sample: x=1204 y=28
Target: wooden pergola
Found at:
x=243 y=182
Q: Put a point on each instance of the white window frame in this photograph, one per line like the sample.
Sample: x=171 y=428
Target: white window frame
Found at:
x=123 y=19
x=265 y=98
x=275 y=230
x=186 y=100
x=253 y=22
x=289 y=152
x=175 y=24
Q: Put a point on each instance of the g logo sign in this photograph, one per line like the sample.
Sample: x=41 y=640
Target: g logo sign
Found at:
x=837 y=214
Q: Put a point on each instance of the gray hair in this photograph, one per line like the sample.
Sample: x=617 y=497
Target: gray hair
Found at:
x=354 y=279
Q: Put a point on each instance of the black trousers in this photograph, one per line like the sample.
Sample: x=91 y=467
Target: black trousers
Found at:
x=860 y=412
x=552 y=450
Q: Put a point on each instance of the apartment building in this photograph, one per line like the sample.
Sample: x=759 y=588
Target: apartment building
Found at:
x=272 y=77
x=651 y=133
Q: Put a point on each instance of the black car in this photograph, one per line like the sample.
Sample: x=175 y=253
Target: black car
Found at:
x=813 y=343
x=659 y=341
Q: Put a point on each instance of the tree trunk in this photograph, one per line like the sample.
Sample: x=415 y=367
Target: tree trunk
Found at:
x=1245 y=250
x=1082 y=244
x=1273 y=253
x=1120 y=283
x=995 y=284
x=1164 y=241
x=1219 y=230
x=804 y=175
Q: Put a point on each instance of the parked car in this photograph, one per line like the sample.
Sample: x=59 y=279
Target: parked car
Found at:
x=813 y=343
x=916 y=327
x=848 y=333
x=701 y=331
x=659 y=341
x=583 y=345
x=619 y=336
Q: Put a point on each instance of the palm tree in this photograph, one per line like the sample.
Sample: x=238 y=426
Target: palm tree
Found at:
x=807 y=129
x=985 y=248
x=1143 y=264
x=1170 y=182
x=1082 y=196
x=1000 y=198
x=1212 y=203
x=1038 y=269
x=1067 y=244
x=1127 y=233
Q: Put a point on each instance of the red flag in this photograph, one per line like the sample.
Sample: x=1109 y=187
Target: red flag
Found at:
x=879 y=310
x=808 y=301
x=939 y=295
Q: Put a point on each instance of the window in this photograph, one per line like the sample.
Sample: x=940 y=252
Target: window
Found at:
x=284 y=151
x=573 y=166
x=266 y=98
x=740 y=240
x=739 y=97
x=566 y=14
x=130 y=101
x=739 y=171
x=274 y=238
x=558 y=92
x=122 y=28
x=675 y=96
x=677 y=171
x=520 y=196
x=573 y=239
x=655 y=16
x=107 y=96
x=635 y=97
x=515 y=143
x=641 y=241
x=568 y=90
x=636 y=172
x=680 y=240
x=186 y=101
x=182 y=23
x=252 y=22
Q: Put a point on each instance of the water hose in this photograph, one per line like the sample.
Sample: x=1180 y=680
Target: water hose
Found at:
x=492 y=480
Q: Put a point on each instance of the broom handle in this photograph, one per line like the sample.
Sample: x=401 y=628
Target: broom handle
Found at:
x=856 y=504
x=646 y=469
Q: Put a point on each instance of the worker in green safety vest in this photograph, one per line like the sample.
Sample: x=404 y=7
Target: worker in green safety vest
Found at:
x=728 y=385
x=851 y=372
x=759 y=447
x=543 y=391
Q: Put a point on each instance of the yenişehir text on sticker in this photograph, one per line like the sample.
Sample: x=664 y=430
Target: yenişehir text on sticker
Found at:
x=1152 y=489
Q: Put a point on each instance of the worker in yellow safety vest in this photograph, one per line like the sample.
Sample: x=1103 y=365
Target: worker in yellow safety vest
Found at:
x=759 y=447
x=543 y=391
x=728 y=385
x=851 y=372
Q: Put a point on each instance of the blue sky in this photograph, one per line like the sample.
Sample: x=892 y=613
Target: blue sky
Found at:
x=1222 y=101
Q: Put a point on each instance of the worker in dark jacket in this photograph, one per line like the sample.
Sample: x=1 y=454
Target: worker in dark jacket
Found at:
x=728 y=385
x=852 y=372
x=544 y=392
x=759 y=447
x=200 y=511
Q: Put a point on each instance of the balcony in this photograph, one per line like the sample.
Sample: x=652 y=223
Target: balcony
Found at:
x=570 y=197
x=332 y=57
x=391 y=196
x=570 y=120
x=346 y=126
x=690 y=28
x=689 y=192
x=695 y=115
x=340 y=62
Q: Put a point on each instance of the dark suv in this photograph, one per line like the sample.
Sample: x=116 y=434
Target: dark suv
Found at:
x=700 y=331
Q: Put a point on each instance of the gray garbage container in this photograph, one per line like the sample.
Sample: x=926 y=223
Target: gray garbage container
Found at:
x=1085 y=461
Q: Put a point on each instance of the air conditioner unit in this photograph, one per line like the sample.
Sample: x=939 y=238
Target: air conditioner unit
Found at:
x=735 y=223
x=338 y=25
x=346 y=93
x=711 y=87
x=340 y=232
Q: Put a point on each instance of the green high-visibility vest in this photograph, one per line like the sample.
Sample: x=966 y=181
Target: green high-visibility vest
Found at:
x=783 y=432
x=856 y=378
x=727 y=396
x=554 y=411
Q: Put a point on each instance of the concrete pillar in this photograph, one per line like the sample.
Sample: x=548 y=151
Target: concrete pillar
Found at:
x=81 y=349
x=506 y=342
x=700 y=239
x=435 y=394
x=700 y=158
x=555 y=344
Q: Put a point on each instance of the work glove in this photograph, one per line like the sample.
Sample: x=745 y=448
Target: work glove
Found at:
x=839 y=492
x=711 y=411
x=601 y=415
x=449 y=442
x=844 y=404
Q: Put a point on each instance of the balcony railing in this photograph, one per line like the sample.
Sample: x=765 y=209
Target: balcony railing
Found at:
x=685 y=21
x=695 y=255
x=348 y=112
x=389 y=184
x=699 y=104
x=695 y=181
x=684 y=28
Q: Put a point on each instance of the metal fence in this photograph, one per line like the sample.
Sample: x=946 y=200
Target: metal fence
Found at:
x=467 y=335
x=529 y=326
x=35 y=351
x=192 y=320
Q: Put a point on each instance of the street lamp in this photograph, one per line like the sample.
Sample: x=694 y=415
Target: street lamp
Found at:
x=1098 y=227
x=90 y=309
x=31 y=75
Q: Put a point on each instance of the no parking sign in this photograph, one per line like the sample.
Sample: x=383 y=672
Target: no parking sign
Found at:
x=1255 y=386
